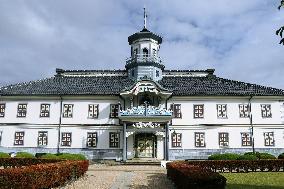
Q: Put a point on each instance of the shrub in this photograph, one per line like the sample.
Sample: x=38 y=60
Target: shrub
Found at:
x=261 y=155
x=281 y=156
x=68 y=156
x=42 y=175
x=24 y=155
x=226 y=156
x=4 y=155
x=194 y=176
x=248 y=157
x=49 y=156
x=19 y=162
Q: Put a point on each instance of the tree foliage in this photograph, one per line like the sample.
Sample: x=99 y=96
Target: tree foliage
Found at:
x=281 y=30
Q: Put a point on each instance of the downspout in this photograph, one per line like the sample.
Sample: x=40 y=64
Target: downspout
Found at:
x=59 y=126
x=251 y=124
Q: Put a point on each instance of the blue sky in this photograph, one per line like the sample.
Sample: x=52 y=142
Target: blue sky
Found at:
x=237 y=38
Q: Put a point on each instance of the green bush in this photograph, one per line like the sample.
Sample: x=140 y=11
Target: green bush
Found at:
x=261 y=155
x=24 y=155
x=49 y=156
x=68 y=156
x=226 y=156
x=4 y=155
x=281 y=156
x=247 y=157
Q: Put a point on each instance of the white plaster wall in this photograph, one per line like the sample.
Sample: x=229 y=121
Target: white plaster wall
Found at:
x=160 y=147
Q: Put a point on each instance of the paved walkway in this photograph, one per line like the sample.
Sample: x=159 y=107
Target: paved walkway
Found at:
x=123 y=177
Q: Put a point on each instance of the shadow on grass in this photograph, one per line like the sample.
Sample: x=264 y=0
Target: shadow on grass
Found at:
x=156 y=181
x=244 y=186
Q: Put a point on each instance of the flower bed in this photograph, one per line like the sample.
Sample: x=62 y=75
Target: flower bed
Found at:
x=240 y=165
x=194 y=176
x=39 y=173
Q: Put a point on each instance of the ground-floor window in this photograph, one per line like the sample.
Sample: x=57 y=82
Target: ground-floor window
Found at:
x=223 y=139
x=268 y=139
x=199 y=139
x=66 y=139
x=92 y=139
x=19 y=138
x=246 y=139
x=42 y=138
x=114 y=140
x=176 y=140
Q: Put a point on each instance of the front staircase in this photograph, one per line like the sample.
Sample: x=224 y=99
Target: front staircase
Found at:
x=143 y=161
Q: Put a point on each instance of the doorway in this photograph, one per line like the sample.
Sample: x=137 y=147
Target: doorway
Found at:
x=145 y=145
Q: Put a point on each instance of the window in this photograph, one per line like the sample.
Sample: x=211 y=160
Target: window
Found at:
x=154 y=52
x=93 y=111
x=222 y=110
x=223 y=139
x=176 y=108
x=19 y=138
x=268 y=139
x=246 y=139
x=199 y=139
x=42 y=138
x=2 y=110
x=135 y=52
x=22 y=110
x=266 y=110
x=113 y=140
x=68 y=110
x=198 y=110
x=44 y=110
x=66 y=139
x=133 y=72
x=145 y=52
x=114 y=108
x=157 y=73
x=176 y=140
x=92 y=139
x=244 y=110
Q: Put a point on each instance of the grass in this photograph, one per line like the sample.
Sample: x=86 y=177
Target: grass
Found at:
x=255 y=180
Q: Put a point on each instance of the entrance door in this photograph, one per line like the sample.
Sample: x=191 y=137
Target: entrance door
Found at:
x=145 y=145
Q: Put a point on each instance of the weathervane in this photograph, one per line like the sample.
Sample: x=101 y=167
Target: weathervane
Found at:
x=145 y=17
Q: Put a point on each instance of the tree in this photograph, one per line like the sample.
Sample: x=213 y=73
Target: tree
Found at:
x=281 y=30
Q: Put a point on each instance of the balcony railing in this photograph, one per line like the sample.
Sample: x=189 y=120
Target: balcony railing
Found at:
x=143 y=58
x=150 y=111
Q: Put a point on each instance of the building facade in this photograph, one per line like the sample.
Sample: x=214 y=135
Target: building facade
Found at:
x=143 y=111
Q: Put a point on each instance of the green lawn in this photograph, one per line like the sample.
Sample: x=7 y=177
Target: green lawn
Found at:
x=255 y=180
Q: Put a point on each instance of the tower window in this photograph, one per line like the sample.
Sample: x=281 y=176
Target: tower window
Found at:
x=157 y=73
x=145 y=52
x=154 y=52
x=132 y=73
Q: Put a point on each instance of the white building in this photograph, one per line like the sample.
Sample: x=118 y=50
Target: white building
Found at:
x=123 y=114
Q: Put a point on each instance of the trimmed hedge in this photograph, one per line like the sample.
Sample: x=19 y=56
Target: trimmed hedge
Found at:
x=281 y=156
x=20 y=162
x=68 y=156
x=42 y=175
x=226 y=156
x=240 y=165
x=261 y=155
x=4 y=155
x=194 y=176
x=24 y=155
x=248 y=157
x=49 y=156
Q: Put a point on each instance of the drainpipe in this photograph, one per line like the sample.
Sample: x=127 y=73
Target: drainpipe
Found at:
x=251 y=124
x=59 y=126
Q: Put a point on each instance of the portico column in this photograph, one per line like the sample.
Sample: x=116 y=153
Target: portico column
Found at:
x=124 y=153
x=167 y=141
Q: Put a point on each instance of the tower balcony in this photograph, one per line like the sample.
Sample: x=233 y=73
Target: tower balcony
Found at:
x=144 y=60
x=142 y=113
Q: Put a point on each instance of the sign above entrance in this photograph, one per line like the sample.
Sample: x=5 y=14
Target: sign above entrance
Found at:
x=141 y=125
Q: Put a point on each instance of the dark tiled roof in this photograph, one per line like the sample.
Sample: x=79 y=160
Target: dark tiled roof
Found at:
x=215 y=86
x=113 y=85
x=104 y=85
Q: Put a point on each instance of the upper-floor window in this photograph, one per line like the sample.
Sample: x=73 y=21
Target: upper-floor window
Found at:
x=268 y=139
x=19 y=138
x=114 y=139
x=92 y=139
x=221 y=110
x=199 y=138
x=2 y=110
x=198 y=110
x=145 y=52
x=93 y=111
x=44 y=110
x=114 y=109
x=22 y=110
x=176 y=108
x=68 y=110
x=246 y=139
x=223 y=139
x=66 y=139
x=157 y=73
x=244 y=110
x=42 y=138
x=266 y=110
x=176 y=140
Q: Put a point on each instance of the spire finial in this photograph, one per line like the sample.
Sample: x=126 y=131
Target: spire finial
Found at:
x=145 y=17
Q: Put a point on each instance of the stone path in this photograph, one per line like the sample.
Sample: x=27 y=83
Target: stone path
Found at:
x=101 y=176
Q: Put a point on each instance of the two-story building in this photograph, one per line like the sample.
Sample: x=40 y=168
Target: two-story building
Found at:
x=143 y=111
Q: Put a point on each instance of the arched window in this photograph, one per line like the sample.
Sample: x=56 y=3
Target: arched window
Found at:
x=145 y=52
